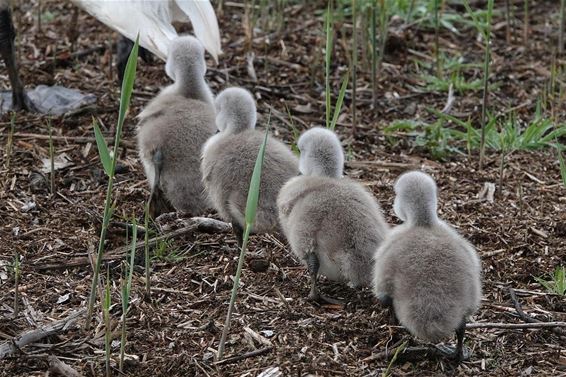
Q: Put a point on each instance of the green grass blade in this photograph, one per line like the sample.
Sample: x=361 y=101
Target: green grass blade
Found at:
x=480 y=26
x=127 y=88
x=253 y=192
x=126 y=289
x=146 y=251
x=340 y=100
x=131 y=261
x=251 y=207
x=328 y=59
x=128 y=82
x=562 y=162
x=103 y=151
x=106 y=317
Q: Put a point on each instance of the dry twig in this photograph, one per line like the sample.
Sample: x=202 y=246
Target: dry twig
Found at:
x=12 y=346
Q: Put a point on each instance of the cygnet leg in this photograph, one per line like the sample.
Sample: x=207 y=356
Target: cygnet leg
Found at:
x=20 y=100
x=313 y=265
x=461 y=353
x=158 y=204
x=458 y=353
x=238 y=232
x=387 y=301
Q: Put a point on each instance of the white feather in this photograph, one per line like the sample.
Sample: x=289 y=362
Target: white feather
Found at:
x=152 y=19
x=204 y=22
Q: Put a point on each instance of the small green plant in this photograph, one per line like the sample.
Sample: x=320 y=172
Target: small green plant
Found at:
x=436 y=38
x=561 y=28
x=401 y=348
x=354 y=64
x=373 y=37
x=383 y=30
x=251 y=208
x=126 y=289
x=454 y=72
x=458 y=82
x=147 y=262
x=505 y=135
x=484 y=28
x=166 y=251
x=328 y=59
x=109 y=164
x=557 y=282
x=17 y=272
x=562 y=165
x=295 y=132
x=106 y=302
x=436 y=138
x=51 y=156
x=331 y=120
x=10 y=141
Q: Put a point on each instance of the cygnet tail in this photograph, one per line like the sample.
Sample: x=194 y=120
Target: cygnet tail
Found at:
x=429 y=319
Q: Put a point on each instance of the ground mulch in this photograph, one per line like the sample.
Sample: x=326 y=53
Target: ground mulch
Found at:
x=519 y=235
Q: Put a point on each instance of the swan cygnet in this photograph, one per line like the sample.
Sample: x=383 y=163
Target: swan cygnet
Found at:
x=428 y=273
x=333 y=224
x=228 y=161
x=172 y=129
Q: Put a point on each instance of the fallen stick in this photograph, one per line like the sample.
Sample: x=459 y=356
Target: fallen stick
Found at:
x=495 y=325
x=527 y=318
x=381 y=164
x=194 y=224
x=58 y=367
x=246 y=355
x=76 y=139
x=12 y=346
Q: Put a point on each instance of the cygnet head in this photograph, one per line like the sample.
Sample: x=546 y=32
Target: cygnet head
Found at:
x=235 y=110
x=415 y=198
x=321 y=153
x=185 y=61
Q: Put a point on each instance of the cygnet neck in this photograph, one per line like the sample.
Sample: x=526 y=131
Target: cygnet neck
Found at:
x=235 y=127
x=423 y=215
x=193 y=87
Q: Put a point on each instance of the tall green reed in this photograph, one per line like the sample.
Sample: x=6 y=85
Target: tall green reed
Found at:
x=109 y=164
x=251 y=208
x=126 y=290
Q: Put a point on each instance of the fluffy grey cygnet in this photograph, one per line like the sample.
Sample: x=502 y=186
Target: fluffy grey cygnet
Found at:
x=333 y=224
x=425 y=269
x=172 y=130
x=228 y=162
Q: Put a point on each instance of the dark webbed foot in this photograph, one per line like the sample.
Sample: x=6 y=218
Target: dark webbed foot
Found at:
x=322 y=299
x=452 y=352
x=460 y=352
x=238 y=232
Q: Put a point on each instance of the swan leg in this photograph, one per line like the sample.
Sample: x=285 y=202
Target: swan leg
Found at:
x=20 y=100
x=313 y=265
x=123 y=50
x=238 y=232
x=158 y=203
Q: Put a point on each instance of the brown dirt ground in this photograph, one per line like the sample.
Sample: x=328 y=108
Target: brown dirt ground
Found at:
x=519 y=236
